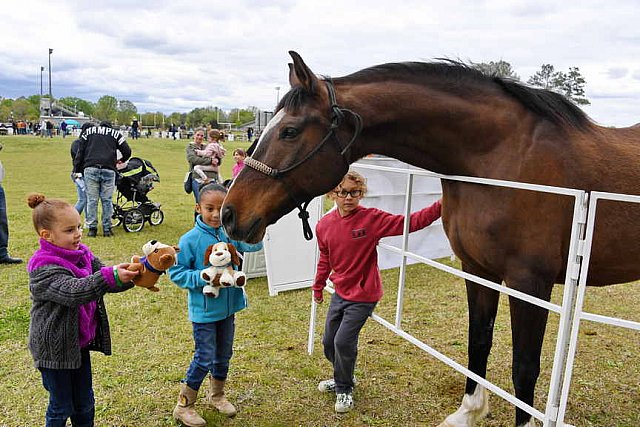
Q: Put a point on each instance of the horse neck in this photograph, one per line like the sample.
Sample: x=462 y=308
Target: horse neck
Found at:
x=434 y=129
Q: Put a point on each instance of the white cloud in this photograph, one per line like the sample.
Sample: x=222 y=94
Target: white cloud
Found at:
x=176 y=56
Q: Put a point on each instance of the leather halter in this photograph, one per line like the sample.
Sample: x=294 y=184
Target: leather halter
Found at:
x=337 y=117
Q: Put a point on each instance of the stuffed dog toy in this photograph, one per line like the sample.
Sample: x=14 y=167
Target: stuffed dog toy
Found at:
x=222 y=257
x=157 y=258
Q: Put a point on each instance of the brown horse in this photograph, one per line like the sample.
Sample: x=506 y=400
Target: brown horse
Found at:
x=451 y=119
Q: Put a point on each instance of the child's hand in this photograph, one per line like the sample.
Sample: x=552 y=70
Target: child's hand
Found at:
x=125 y=275
x=317 y=296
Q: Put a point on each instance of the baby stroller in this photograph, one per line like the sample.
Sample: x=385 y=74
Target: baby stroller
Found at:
x=132 y=208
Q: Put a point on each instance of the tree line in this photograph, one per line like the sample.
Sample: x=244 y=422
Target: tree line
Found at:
x=571 y=84
x=122 y=112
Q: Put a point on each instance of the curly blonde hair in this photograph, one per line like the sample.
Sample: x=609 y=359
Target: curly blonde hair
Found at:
x=354 y=177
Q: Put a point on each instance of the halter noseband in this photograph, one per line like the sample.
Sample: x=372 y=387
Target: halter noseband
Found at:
x=337 y=116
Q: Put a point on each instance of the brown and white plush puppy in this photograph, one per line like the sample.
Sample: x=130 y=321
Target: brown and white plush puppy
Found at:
x=157 y=258
x=222 y=256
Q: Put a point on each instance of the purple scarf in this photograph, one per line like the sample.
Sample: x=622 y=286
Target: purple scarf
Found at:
x=79 y=263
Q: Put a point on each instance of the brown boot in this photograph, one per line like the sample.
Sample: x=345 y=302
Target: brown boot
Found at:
x=215 y=396
x=185 y=412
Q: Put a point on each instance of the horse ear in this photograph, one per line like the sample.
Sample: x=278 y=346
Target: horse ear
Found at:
x=207 y=254
x=300 y=74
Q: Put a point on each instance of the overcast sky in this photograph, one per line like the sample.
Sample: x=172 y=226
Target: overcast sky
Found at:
x=179 y=55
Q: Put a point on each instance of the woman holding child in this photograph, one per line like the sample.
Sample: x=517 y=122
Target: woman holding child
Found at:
x=204 y=159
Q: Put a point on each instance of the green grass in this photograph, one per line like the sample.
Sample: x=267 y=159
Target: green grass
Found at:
x=272 y=379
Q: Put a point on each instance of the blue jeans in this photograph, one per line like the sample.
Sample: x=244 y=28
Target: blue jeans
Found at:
x=70 y=395
x=100 y=186
x=4 y=224
x=214 y=348
x=195 y=185
x=81 y=189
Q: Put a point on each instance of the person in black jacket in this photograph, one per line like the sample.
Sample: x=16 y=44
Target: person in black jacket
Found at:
x=96 y=160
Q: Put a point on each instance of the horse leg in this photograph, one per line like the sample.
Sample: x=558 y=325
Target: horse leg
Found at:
x=483 y=306
x=528 y=324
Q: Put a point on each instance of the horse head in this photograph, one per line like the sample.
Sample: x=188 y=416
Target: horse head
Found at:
x=302 y=153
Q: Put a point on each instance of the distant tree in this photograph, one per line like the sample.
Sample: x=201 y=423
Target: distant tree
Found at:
x=126 y=111
x=24 y=110
x=543 y=78
x=573 y=86
x=496 y=69
x=151 y=119
x=570 y=85
x=5 y=110
x=177 y=118
x=106 y=108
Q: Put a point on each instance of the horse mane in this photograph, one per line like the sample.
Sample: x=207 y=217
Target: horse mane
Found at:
x=456 y=77
x=294 y=99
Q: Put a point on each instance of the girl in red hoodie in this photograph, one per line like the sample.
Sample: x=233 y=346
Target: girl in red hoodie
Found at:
x=347 y=239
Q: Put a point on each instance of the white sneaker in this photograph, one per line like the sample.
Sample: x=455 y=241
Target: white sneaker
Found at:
x=329 y=386
x=344 y=402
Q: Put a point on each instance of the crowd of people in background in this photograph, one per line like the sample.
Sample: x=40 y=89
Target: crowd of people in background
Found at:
x=62 y=354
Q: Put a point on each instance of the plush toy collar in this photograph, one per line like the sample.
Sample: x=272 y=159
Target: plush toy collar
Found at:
x=151 y=268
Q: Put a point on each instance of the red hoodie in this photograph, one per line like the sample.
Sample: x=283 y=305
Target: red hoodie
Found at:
x=348 y=254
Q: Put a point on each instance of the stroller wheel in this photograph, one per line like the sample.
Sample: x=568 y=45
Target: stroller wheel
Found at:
x=116 y=220
x=156 y=217
x=133 y=220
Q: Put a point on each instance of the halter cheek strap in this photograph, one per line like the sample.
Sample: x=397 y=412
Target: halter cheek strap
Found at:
x=337 y=116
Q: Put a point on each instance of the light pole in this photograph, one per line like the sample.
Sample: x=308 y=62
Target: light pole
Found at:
x=277 y=95
x=40 y=106
x=50 y=94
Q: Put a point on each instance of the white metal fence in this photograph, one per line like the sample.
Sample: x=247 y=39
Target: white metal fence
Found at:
x=570 y=311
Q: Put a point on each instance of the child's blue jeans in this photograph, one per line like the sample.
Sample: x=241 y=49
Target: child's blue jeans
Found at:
x=70 y=395
x=213 y=350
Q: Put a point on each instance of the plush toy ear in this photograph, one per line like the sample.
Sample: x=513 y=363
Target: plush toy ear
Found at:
x=235 y=259
x=207 y=254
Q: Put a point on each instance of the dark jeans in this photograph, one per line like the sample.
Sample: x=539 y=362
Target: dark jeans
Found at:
x=345 y=320
x=214 y=348
x=4 y=225
x=70 y=395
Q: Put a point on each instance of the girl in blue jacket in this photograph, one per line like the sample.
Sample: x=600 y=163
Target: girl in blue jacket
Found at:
x=212 y=317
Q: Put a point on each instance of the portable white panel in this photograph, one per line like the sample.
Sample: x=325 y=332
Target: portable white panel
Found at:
x=386 y=191
x=290 y=259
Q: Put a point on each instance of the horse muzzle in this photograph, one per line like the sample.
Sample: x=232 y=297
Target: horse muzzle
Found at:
x=251 y=232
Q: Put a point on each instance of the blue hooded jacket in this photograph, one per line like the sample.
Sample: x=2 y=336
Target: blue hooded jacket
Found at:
x=186 y=273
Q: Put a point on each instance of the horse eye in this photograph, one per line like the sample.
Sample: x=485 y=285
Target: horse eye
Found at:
x=289 y=133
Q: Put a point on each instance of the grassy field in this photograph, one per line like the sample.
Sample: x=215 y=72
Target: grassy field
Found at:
x=272 y=379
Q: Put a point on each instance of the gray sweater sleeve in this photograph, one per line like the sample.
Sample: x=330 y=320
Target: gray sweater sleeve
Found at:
x=57 y=284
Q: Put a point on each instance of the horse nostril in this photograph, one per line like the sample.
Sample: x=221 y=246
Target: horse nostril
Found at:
x=228 y=218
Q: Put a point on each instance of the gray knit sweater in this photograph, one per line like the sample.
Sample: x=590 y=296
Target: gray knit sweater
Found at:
x=57 y=293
